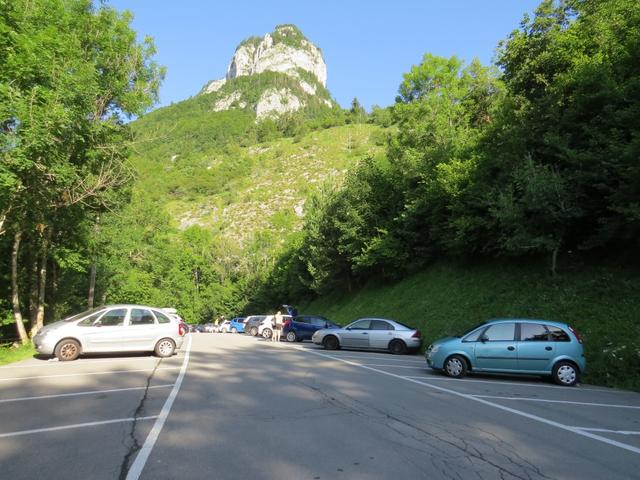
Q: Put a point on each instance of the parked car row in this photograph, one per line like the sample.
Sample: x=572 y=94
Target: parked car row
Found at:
x=513 y=346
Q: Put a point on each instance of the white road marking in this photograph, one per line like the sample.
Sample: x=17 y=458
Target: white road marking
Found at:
x=462 y=381
x=81 y=361
x=383 y=358
x=530 y=416
x=75 y=394
x=559 y=401
x=387 y=365
x=143 y=455
x=604 y=430
x=77 y=425
x=89 y=373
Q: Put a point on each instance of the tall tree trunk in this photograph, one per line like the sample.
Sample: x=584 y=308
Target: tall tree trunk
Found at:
x=15 y=293
x=33 y=290
x=92 y=284
x=42 y=283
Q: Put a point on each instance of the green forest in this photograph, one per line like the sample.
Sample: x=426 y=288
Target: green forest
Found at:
x=510 y=189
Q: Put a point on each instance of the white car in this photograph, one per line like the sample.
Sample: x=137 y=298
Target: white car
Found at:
x=224 y=327
x=266 y=327
x=112 y=328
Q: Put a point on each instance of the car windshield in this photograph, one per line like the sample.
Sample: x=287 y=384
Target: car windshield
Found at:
x=466 y=332
x=78 y=316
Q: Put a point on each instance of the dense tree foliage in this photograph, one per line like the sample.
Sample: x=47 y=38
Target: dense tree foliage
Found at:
x=538 y=157
x=69 y=72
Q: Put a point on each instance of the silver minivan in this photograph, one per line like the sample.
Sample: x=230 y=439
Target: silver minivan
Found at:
x=112 y=328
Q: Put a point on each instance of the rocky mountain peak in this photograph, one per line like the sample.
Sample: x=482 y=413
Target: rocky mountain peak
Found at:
x=286 y=51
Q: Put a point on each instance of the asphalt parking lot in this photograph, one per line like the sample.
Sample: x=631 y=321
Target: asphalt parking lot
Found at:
x=231 y=406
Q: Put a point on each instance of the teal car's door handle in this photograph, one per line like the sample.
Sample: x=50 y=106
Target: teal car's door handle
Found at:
x=511 y=348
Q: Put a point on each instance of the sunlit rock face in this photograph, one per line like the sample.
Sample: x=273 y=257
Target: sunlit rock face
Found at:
x=285 y=50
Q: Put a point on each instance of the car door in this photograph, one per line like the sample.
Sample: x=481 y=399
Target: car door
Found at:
x=305 y=327
x=357 y=334
x=535 y=349
x=497 y=348
x=142 y=329
x=106 y=334
x=381 y=334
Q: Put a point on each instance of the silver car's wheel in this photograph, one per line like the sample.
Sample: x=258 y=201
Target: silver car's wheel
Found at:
x=254 y=331
x=67 y=350
x=455 y=366
x=397 y=347
x=165 y=348
x=291 y=336
x=266 y=333
x=565 y=373
x=331 y=343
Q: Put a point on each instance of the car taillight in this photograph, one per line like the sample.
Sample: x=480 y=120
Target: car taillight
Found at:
x=576 y=334
x=181 y=329
x=417 y=334
x=287 y=323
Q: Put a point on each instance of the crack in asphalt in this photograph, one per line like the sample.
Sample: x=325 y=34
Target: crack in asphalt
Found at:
x=134 y=446
x=524 y=469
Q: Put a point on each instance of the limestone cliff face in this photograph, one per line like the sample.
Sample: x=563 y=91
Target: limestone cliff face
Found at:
x=286 y=51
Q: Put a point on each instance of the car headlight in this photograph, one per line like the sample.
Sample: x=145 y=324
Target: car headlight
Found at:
x=434 y=348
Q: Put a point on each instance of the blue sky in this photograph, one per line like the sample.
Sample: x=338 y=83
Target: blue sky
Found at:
x=367 y=45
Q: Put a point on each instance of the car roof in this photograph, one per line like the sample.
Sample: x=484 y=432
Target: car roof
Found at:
x=526 y=320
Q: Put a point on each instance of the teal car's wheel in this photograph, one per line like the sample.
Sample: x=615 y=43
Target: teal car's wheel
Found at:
x=455 y=366
x=566 y=374
x=234 y=330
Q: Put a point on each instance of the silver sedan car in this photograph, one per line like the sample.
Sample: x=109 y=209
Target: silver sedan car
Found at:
x=112 y=328
x=370 y=333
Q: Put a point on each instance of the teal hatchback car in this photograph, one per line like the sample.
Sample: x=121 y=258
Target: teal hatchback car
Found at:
x=518 y=346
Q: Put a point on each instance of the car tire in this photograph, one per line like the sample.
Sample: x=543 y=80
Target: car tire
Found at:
x=267 y=333
x=291 y=336
x=331 y=342
x=234 y=330
x=397 y=347
x=254 y=331
x=165 y=348
x=565 y=374
x=455 y=366
x=67 y=350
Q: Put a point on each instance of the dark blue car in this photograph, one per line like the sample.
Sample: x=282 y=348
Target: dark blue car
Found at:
x=237 y=325
x=302 y=327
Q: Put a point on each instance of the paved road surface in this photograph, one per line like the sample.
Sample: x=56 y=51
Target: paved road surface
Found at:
x=236 y=407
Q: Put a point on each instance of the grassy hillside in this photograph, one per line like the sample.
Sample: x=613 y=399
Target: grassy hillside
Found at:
x=602 y=303
x=241 y=190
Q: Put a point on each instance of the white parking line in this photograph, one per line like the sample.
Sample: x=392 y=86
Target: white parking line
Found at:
x=387 y=365
x=81 y=361
x=141 y=459
x=514 y=411
x=559 y=401
x=75 y=394
x=89 y=373
x=383 y=358
x=77 y=425
x=505 y=382
x=604 y=430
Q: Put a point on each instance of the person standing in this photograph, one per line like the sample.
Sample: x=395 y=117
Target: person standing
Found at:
x=277 y=327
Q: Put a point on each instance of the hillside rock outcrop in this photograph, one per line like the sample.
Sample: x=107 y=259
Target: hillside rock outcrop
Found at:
x=285 y=50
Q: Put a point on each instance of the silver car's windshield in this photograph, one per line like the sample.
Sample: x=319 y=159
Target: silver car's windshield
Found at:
x=78 y=316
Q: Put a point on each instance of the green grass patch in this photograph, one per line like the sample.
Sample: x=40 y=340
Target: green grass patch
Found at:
x=602 y=303
x=10 y=354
